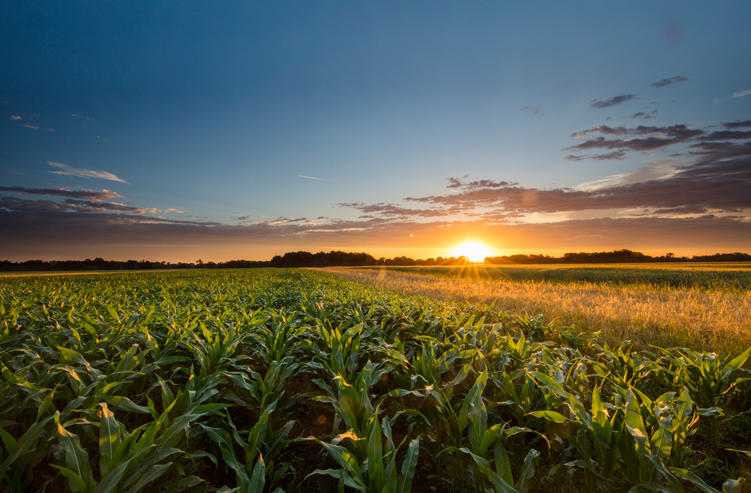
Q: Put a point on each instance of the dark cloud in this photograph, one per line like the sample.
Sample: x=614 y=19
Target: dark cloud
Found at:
x=92 y=195
x=728 y=135
x=395 y=211
x=718 y=179
x=15 y=204
x=536 y=110
x=599 y=157
x=459 y=183
x=644 y=116
x=657 y=137
x=603 y=129
x=666 y=82
x=455 y=182
x=745 y=124
x=612 y=101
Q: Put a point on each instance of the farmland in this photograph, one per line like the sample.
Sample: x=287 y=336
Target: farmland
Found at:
x=705 y=307
x=297 y=380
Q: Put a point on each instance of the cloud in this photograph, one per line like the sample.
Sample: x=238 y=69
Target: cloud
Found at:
x=83 y=173
x=51 y=232
x=82 y=116
x=656 y=137
x=14 y=117
x=92 y=195
x=655 y=170
x=394 y=211
x=313 y=178
x=621 y=154
x=741 y=94
x=612 y=101
x=719 y=179
x=84 y=204
x=644 y=116
x=535 y=110
x=666 y=82
x=745 y=124
x=728 y=135
x=30 y=126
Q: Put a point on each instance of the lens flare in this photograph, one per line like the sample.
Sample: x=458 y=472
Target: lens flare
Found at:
x=475 y=251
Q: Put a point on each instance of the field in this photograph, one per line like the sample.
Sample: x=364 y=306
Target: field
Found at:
x=705 y=307
x=297 y=380
x=734 y=277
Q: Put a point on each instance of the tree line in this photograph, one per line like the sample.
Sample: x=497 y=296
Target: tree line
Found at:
x=614 y=257
x=339 y=259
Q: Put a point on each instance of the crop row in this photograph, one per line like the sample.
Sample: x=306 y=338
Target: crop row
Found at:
x=222 y=380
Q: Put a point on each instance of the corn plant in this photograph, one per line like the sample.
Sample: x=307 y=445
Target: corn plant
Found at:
x=352 y=403
x=377 y=473
x=262 y=439
x=128 y=461
x=486 y=445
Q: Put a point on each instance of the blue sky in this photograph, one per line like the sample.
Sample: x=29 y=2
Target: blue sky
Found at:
x=197 y=124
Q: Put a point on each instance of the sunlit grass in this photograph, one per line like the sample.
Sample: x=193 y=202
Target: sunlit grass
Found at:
x=702 y=319
x=715 y=276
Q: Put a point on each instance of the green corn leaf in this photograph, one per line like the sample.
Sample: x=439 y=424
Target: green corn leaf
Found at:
x=109 y=439
x=27 y=441
x=693 y=478
x=257 y=480
x=636 y=423
x=151 y=474
x=732 y=485
x=528 y=470
x=661 y=441
x=78 y=484
x=224 y=441
x=344 y=458
x=46 y=403
x=9 y=442
x=736 y=363
x=497 y=481
x=76 y=458
x=408 y=466
x=553 y=416
x=126 y=404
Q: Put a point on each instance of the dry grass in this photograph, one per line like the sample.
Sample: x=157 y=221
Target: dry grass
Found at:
x=704 y=320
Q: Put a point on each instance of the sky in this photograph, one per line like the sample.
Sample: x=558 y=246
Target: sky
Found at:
x=243 y=130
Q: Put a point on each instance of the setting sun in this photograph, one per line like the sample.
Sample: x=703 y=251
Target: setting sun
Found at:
x=475 y=251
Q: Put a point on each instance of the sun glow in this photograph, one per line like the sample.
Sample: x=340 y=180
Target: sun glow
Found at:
x=474 y=250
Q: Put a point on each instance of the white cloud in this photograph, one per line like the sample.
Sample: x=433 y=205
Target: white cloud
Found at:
x=83 y=173
x=741 y=94
x=313 y=178
x=654 y=170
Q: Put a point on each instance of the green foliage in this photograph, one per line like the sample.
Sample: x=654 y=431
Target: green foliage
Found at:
x=209 y=380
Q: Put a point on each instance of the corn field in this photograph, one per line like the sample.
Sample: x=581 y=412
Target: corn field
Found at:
x=285 y=380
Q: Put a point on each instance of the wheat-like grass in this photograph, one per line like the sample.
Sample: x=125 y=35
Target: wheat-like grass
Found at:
x=700 y=319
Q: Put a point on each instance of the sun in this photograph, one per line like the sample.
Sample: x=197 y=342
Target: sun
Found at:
x=475 y=251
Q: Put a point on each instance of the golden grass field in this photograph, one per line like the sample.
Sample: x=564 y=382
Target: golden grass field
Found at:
x=702 y=319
